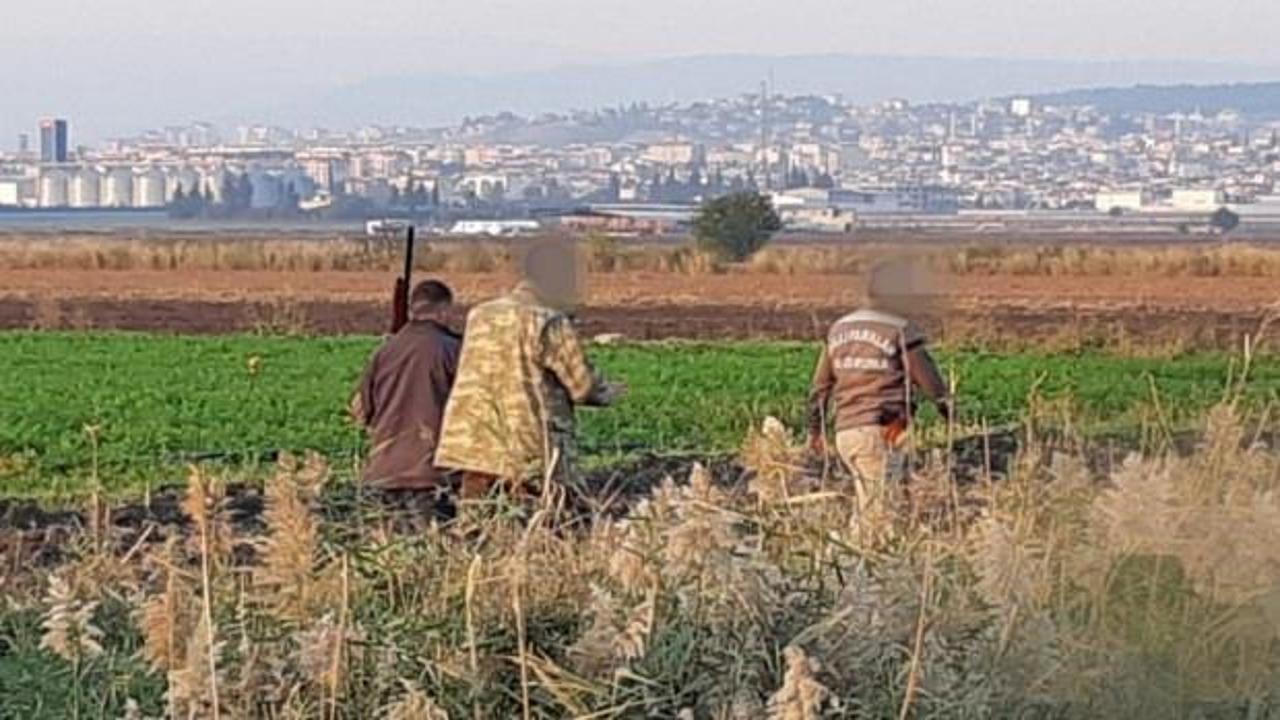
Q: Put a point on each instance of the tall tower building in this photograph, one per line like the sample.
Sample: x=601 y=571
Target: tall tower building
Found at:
x=53 y=140
x=24 y=143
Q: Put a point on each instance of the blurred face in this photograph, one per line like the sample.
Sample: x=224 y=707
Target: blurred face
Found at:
x=554 y=269
x=904 y=286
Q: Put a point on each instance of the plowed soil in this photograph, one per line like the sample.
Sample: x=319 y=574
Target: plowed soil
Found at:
x=632 y=288
x=1196 y=311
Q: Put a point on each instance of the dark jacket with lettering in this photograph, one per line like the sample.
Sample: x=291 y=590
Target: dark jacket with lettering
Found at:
x=872 y=365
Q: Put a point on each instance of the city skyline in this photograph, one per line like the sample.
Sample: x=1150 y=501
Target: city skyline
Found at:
x=1066 y=159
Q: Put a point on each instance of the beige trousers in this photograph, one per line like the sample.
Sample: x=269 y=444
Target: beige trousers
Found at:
x=878 y=469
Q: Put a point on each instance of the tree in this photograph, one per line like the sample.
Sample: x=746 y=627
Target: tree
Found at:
x=348 y=207
x=420 y=196
x=1224 y=221
x=796 y=179
x=244 y=193
x=227 y=200
x=197 y=203
x=178 y=204
x=655 y=187
x=735 y=226
x=290 y=200
x=695 y=180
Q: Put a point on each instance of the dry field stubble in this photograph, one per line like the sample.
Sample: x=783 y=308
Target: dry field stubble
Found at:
x=1098 y=295
x=345 y=253
x=1048 y=591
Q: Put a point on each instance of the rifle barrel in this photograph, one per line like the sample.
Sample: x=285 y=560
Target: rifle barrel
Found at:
x=408 y=263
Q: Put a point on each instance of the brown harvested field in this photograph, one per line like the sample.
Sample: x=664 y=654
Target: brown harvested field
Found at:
x=1161 y=313
x=1147 y=298
x=806 y=290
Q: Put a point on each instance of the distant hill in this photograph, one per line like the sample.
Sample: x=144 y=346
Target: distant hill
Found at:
x=254 y=83
x=445 y=98
x=1257 y=99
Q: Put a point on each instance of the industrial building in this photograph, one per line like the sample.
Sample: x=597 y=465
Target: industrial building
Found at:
x=117 y=188
x=494 y=228
x=888 y=200
x=53 y=188
x=86 y=189
x=1120 y=200
x=148 y=189
x=53 y=140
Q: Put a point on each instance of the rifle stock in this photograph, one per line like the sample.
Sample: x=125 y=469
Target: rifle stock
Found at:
x=403 y=284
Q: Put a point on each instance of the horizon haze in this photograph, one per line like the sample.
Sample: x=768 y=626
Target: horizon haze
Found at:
x=116 y=67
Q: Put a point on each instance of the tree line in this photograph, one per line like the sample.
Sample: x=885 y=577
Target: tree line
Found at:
x=234 y=200
x=668 y=188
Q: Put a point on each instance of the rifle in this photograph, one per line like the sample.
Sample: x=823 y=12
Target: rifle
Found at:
x=400 y=294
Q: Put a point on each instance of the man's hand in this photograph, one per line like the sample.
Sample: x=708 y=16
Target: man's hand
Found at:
x=355 y=410
x=818 y=443
x=945 y=409
x=610 y=392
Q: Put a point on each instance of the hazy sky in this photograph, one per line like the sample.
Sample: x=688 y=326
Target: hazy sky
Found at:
x=580 y=29
x=74 y=56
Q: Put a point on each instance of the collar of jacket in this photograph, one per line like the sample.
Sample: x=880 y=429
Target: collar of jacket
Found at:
x=525 y=292
x=431 y=323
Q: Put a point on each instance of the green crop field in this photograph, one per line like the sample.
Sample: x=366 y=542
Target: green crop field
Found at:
x=138 y=408
x=1071 y=589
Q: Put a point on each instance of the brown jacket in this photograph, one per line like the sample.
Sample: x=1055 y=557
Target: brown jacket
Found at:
x=871 y=368
x=401 y=402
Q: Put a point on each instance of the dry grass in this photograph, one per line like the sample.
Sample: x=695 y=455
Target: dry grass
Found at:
x=1055 y=591
x=1219 y=260
x=607 y=255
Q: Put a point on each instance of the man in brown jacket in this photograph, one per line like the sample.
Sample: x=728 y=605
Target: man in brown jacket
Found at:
x=871 y=371
x=402 y=395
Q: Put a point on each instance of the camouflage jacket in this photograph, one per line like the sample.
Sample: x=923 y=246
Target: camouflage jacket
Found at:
x=522 y=371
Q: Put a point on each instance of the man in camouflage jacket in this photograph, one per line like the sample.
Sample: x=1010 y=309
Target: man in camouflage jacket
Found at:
x=521 y=374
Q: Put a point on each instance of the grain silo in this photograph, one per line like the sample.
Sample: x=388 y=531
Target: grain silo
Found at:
x=86 y=188
x=212 y=180
x=185 y=178
x=53 y=188
x=148 y=189
x=117 y=188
